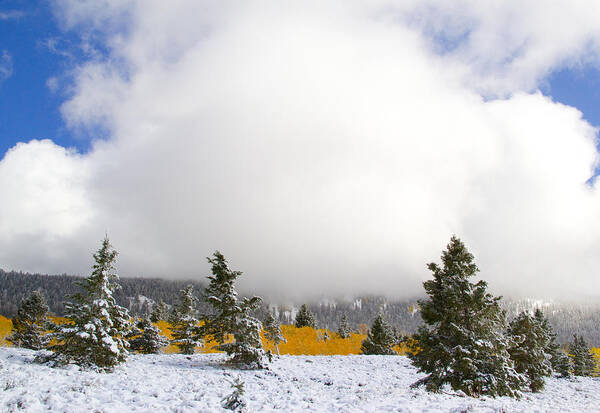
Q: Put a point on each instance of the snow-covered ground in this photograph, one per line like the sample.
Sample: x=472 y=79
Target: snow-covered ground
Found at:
x=178 y=383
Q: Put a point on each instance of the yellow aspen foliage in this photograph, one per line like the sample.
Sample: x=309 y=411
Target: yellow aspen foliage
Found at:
x=5 y=329
x=363 y=329
x=208 y=347
x=309 y=341
x=596 y=353
x=299 y=341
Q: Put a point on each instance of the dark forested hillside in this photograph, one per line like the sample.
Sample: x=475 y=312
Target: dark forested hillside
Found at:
x=139 y=294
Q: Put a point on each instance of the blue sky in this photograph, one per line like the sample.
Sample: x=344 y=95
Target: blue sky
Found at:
x=39 y=50
x=29 y=109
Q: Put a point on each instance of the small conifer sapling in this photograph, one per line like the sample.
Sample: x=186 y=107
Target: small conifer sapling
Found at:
x=344 y=328
x=235 y=401
x=149 y=341
x=160 y=311
x=232 y=316
x=272 y=330
x=528 y=350
x=31 y=323
x=184 y=324
x=305 y=318
x=559 y=360
x=583 y=360
x=380 y=339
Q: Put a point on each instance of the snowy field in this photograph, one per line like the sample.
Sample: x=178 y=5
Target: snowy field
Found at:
x=178 y=383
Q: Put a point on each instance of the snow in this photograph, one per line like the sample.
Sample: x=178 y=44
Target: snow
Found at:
x=198 y=383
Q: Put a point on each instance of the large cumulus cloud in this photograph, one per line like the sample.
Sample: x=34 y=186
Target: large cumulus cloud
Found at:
x=326 y=147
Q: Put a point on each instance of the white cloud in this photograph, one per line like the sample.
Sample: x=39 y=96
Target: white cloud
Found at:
x=6 y=66
x=45 y=208
x=321 y=146
x=52 y=83
x=11 y=14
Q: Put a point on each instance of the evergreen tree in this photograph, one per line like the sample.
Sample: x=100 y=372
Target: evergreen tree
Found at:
x=160 y=311
x=96 y=337
x=583 y=360
x=463 y=341
x=380 y=339
x=149 y=341
x=559 y=360
x=31 y=323
x=344 y=329
x=528 y=351
x=235 y=401
x=305 y=318
x=184 y=324
x=273 y=331
x=232 y=316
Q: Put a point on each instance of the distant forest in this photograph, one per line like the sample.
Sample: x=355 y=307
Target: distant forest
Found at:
x=139 y=294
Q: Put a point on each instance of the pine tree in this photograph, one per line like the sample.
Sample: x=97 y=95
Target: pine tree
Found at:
x=380 y=339
x=559 y=360
x=160 y=311
x=398 y=338
x=344 y=329
x=529 y=350
x=232 y=316
x=463 y=341
x=96 y=337
x=31 y=323
x=583 y=360
x=235 y=401
x=184 y=324
x=273 y=331
x=149 y=341
x=305 y=318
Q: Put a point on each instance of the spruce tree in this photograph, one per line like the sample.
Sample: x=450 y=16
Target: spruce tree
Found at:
x=305 y=318
x=232 y=316
x=160 y=311
x=235 y=401
x=31 y=323
x=380 y=339
x=149 y=341
x=528 y=351
x=95 y=336
x=463 y=341
x=583 y=360
x=559 y=360
x=273 y=331
x=344 y=328
x=184 y=324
